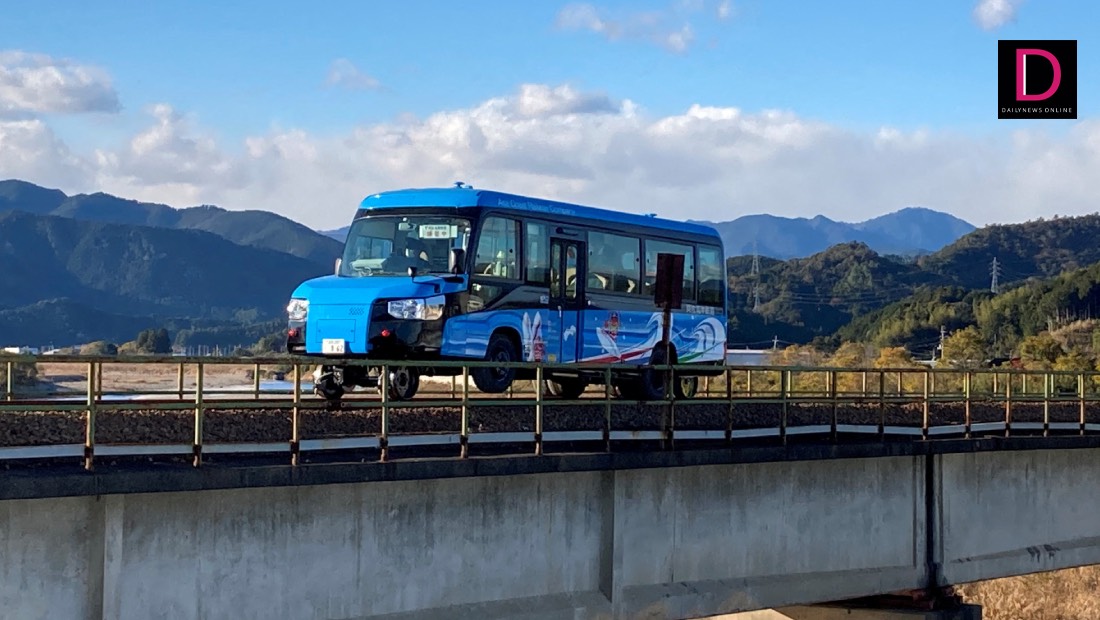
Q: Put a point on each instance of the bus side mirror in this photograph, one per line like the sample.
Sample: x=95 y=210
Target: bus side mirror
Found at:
x=457 y=260
x=339 y=260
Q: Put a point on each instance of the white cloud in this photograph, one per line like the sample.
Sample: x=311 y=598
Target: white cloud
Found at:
x=708 y=162
x=29 y=150
x=725 y=9
x=168 y=158
x=37 y=83
x=992 y=14
x=661 y=28
x=344 y=73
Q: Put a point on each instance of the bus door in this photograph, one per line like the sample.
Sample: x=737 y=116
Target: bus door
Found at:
x=567 y=277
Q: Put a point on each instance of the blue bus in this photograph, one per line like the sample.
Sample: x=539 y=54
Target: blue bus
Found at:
x=456 y=273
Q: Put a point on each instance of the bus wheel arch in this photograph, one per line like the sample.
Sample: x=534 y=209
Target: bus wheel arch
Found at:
x=503 y=348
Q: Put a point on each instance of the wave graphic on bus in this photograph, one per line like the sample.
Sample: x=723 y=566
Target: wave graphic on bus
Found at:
x=701 y=341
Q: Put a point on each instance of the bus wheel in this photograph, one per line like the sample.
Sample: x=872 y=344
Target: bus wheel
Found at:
x=566 y=388
x=685 y=387
x=496 y=380
x=403 y=383
x=328 y=387
x=651 y=382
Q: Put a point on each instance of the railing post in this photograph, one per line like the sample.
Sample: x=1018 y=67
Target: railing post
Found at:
x=89 y=427
x=607 y=409
x=180 y=373
x=196 y=446
x=967 y=380
x=384 y=388
x=729 y=405
x=670 y=407
x=538 y=409
x=748 y=382
x=1048 y=386
x=832 y=394
x=882 y=403
x=256 y=381
x=296 y=417
x=901 y=386
x=925 y=404
x=784 y=390
x=1081 y=400
x=1008 y=405
x=464 y=431
x=863 y=385
x=9 y=388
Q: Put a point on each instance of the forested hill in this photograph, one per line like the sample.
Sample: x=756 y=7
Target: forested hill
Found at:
x=816 y=297
x=1040 y=248
x=260 y=229
x=140 y=270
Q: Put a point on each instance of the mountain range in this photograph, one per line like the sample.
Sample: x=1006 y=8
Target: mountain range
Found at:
x=258 y=229
x=910 y=231
x=849 y=290
x=95 y=266
x=87 y=267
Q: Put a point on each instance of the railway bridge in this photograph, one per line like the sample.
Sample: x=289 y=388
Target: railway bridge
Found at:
x=825 y=512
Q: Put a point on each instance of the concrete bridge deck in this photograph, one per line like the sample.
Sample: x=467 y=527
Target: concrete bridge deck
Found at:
x=622 y=535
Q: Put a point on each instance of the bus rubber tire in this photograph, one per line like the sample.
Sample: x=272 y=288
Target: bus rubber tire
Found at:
x=403 y=383
x=651 y=382
x=496 y=380
x=685 y=387
x=566 y=388
x=328 y=389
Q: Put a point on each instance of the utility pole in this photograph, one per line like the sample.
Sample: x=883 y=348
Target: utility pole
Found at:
x=943 y=337
x=775 y=342
x=995 y=271
x=755 y=278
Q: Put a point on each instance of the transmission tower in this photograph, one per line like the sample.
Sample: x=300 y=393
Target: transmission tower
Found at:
x=755 y=279
x=995 y=271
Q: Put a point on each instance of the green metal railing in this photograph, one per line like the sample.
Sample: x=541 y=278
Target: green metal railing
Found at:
x=737 y=402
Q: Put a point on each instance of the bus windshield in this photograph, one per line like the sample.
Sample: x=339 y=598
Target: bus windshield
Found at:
x=389 y=245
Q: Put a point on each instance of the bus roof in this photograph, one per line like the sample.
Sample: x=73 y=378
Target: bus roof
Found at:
x=470 y=197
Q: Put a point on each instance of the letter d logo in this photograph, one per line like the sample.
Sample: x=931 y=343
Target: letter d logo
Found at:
x=1021 y=74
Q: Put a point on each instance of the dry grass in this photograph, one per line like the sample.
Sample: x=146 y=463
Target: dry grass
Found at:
x=1070 y=594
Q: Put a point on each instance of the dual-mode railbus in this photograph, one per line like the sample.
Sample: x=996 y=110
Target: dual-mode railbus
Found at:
x=463 y=274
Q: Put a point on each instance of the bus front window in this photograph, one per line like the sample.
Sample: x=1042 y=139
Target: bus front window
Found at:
x=389 y=245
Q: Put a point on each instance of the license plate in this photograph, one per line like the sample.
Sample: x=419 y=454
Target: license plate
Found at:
x=332 y=346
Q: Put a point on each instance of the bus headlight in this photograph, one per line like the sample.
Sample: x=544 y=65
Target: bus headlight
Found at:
x=428 y=309
x=297 y=309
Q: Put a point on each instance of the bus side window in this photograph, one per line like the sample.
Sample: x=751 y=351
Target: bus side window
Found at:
x=555 y=271
x=710 y=275
x=496 y=249
x=613 y=262
x=536 y=248
x=653 y=248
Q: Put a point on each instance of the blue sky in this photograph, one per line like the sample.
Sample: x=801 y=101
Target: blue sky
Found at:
x=850 y=108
